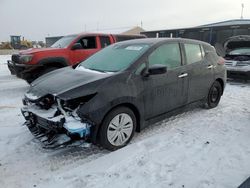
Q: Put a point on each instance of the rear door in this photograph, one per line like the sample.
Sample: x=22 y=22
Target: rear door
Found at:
x=89 y=46
x=165 y=92
x=200 y=71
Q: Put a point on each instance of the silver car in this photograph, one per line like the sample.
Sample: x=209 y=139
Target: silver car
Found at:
x=238 y=57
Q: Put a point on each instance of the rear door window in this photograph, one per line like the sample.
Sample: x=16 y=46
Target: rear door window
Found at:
x=167 y=54
x=105 y=41
x=193 y=53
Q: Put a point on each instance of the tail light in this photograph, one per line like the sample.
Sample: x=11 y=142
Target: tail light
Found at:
x=221 y=61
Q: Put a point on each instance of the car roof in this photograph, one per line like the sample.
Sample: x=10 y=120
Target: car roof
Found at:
x=154 y=41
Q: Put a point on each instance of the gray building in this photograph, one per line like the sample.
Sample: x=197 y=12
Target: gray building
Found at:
x=215 y=33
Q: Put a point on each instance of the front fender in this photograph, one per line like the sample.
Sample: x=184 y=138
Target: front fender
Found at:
x=96 y=109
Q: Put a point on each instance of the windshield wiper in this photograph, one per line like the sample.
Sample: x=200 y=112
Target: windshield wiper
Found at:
x=97 y=70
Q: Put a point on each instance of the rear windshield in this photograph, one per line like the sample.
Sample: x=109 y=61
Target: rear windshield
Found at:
x=115 y=58
x=64 y=41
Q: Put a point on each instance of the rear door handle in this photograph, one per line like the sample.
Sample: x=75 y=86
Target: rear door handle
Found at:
x=210 y=66
x=183 y=75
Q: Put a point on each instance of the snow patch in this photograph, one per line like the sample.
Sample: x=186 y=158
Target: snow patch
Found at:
x=199 y=148
x=31 y=96
x=4 y=59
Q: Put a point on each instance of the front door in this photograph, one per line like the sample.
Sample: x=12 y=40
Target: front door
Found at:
x=165 y=92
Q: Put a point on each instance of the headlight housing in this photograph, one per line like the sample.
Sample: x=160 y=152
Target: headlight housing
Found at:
x=74 y=103
x=26 y=58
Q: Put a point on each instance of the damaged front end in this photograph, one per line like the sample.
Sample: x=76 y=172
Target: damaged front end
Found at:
x=55 y=122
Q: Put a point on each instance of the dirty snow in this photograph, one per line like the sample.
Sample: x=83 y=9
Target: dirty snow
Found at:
x=196 y=149
x=4 y=59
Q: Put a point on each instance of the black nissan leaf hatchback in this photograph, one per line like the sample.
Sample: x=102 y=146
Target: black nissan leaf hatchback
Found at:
x=122 y=89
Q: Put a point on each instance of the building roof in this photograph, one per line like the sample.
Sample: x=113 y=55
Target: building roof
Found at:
x=134 y=31
x=228 y=23
x=217 y=24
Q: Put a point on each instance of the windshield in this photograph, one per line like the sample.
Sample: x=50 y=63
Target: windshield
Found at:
x=64 y=42
x=115 y=58
x=240 y=51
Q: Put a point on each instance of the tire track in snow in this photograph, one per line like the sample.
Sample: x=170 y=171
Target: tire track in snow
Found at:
x=39 y=162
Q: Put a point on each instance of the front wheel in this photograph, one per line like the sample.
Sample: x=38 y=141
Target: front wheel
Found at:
x=40 y=73
x=214 y=95
x=47 y=70
x=117 y=128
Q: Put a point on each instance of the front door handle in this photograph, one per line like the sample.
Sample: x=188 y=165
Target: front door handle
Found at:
x=210 y=67
x=183 y=75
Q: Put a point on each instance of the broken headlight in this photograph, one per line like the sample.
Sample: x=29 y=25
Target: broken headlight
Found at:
x=75 y=103
x=46 y=102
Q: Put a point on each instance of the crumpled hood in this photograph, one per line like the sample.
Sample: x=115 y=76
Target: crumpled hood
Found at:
x=67 y=83
x=235 y=42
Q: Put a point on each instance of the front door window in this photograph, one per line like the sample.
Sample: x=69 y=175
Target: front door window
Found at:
x=88 y=42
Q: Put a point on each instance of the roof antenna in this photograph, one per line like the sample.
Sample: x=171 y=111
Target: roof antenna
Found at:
x=242 y=7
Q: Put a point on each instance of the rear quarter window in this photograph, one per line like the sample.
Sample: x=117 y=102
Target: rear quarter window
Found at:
x=208 y=49
x=210 y=53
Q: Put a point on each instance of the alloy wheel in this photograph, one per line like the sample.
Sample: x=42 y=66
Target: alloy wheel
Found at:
x=120 y=129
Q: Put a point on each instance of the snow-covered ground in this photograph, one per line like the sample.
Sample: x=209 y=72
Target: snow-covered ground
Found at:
x=196 y=149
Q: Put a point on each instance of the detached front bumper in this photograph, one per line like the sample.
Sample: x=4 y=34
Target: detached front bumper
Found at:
x=23 y=71
x=57 y=131
x=239 y=72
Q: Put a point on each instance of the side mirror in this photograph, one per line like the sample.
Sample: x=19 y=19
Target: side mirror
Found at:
x=155 y=69
x=76 y=46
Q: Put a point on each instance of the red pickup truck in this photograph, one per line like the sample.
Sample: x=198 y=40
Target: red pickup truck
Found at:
x=69 y=50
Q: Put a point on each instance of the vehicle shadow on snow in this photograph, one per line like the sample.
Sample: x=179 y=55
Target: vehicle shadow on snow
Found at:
x=167 y=123
x=69 y=155
x=238 y=82
x=60 y=157
x=88 y=152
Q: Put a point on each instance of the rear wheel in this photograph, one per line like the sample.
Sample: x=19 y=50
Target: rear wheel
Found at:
x=117 y=128
x=214 y=95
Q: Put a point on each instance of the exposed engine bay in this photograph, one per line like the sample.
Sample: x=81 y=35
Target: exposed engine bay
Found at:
x=54 y=122
x=237 y=57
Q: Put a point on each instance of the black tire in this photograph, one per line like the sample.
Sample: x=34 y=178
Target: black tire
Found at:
x=47 y=70
x=42 y=72
x=103 y=133
x=214 y=95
